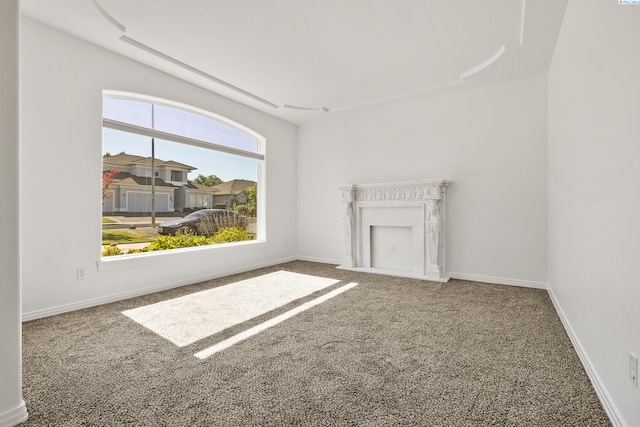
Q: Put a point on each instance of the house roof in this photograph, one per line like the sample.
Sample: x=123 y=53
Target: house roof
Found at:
x=147 y=161
x=132 y=159
x=195 y=186
x=123 y=158
x=235 y=186
x=125 y=178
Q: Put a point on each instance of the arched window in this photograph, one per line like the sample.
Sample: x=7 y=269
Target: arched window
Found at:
x=175 y=176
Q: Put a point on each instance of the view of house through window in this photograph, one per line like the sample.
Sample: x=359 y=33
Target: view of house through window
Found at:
x=173 y=178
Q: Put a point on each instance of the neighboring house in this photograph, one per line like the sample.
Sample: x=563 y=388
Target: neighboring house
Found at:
x=232 y=192
x=130 y=190
x=195 y=196
x=131 y=193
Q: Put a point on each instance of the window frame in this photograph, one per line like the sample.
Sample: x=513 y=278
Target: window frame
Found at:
x=116 y=262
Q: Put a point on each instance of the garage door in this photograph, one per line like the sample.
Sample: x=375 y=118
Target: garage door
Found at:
x=141 y=202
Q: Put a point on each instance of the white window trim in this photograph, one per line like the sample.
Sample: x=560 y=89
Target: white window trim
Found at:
x=136 y=260
x=118 y=262
x=175 y=104
x=152 y=133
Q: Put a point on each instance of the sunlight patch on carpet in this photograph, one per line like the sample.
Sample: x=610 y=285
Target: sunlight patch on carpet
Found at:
x=190 y=318
x=208 y=352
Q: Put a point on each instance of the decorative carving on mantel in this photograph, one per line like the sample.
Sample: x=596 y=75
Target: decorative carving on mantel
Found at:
x=369 y=205
x=434 y=228
x=397 y=193
x=348 y=196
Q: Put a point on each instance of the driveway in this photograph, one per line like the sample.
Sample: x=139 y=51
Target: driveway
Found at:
x=129 y=221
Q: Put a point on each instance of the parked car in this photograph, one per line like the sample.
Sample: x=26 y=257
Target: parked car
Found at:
x=203 y=222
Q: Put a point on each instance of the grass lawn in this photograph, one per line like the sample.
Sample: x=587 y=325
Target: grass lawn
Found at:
x=106 y=220
x=117 y=236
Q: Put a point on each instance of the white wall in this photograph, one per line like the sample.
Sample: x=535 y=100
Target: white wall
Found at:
x=62 y=82
x=594 y=190
x=12 y=408
x=490 y=142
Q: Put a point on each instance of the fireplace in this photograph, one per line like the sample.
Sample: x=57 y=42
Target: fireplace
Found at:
x=396 y=228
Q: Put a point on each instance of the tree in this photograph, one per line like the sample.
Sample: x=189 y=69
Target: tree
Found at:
x=108 y=154
x=107 y=180
x=252 y=195
x=209 y=181
x=252 y=200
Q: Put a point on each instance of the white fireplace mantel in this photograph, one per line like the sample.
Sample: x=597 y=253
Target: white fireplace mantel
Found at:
x=397 y=228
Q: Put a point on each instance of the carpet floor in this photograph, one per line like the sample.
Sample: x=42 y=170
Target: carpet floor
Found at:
x=390 y=351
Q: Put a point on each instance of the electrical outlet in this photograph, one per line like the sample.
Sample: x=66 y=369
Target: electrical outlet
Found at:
x=81 y=273
x=633 y=369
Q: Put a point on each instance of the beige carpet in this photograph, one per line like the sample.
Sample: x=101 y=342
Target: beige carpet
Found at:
x=387 y=352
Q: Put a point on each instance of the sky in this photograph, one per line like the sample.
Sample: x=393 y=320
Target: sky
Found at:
x=207 y=162
x=183 y=123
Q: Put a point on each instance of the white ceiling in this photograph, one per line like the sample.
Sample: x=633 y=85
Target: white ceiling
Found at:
x=301 y=60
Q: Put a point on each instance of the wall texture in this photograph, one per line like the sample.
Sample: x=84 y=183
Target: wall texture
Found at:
x=594 y=172
x=62 y=83
x=490 y=142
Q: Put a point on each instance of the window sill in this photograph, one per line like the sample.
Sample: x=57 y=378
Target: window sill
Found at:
x=174 y=255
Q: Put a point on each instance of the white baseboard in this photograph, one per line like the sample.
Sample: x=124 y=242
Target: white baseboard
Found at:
x=51 y=311
x=320 y=260
x=610 y=408
x=461 y=276
x=14 y=416
x=499 y=280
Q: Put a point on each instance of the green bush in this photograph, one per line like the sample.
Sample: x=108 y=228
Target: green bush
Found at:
x=231 y=234
x=176 y=242
x=242 y=209
x=247 y=210
x=111 y=250
x=187 y=240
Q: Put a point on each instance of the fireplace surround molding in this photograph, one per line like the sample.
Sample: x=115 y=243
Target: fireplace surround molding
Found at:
x=419 y=205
